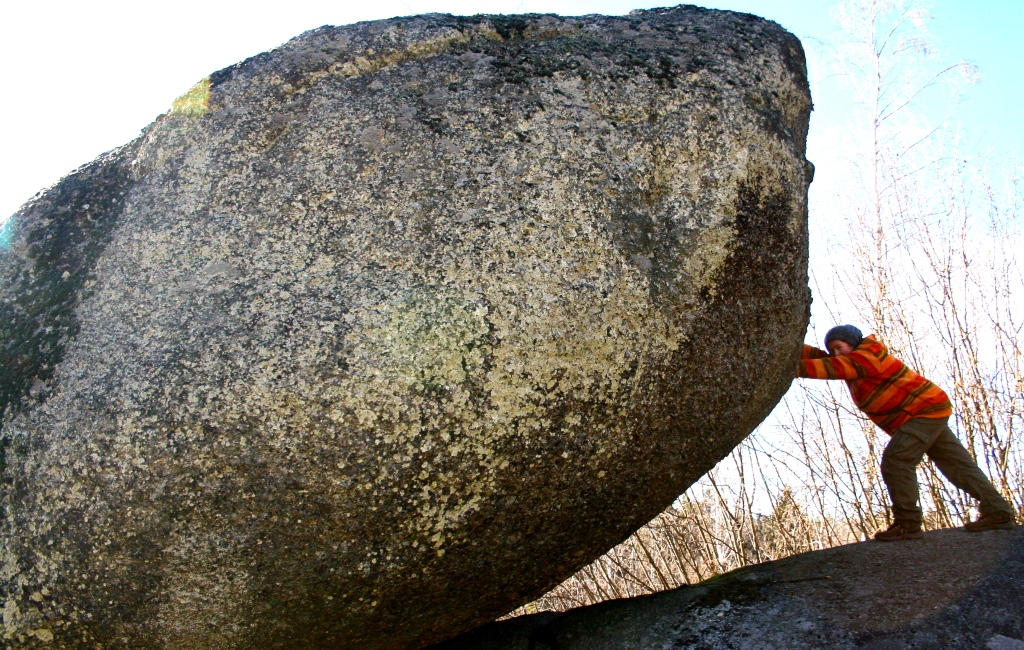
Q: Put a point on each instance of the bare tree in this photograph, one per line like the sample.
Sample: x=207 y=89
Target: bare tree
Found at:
x=931 y=265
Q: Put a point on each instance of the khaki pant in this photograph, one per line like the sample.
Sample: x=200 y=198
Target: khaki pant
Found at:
x=932 y=436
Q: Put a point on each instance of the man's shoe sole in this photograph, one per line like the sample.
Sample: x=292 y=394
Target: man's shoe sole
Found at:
x=918 y=535
x=1006 y=525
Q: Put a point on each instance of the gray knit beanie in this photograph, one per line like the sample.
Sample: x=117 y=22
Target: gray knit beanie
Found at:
x=846 y=334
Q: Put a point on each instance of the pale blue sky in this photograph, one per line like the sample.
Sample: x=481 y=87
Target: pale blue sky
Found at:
x=82 y=78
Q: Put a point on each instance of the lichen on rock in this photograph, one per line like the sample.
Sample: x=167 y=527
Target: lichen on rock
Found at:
x=410 y=321
x=195 y=101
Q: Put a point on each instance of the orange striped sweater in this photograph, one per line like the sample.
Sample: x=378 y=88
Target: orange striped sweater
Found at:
x=884 y=388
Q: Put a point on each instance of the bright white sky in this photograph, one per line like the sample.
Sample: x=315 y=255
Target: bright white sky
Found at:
x=80 y=78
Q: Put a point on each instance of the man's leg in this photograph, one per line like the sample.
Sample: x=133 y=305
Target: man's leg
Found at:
x=962 y=471
x=899 y=468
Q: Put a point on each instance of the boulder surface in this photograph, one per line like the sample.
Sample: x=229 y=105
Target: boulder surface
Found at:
x=953 y=589
x=381 y=334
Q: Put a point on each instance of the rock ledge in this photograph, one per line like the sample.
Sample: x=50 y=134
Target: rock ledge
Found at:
x=950 y=590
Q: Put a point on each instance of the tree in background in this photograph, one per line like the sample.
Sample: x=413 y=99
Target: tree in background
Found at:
x=926 y=258
x=925 y=255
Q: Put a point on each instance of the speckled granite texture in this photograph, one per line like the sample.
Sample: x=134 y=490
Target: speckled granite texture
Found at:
x=952 y=590
x=385 y=332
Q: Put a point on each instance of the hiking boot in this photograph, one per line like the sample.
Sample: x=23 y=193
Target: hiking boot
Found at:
x=900 y=530
x=994 y=521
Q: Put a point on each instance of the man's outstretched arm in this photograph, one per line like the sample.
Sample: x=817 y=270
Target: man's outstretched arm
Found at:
x=811 y=352
x=816 y=364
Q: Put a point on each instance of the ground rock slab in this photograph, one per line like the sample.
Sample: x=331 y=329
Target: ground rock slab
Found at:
x=952 y=589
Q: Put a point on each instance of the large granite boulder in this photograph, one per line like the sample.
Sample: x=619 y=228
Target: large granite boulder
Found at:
x=385 y=332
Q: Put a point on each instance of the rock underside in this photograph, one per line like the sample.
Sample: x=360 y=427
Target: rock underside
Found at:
x=381 y=334
x=950 y=590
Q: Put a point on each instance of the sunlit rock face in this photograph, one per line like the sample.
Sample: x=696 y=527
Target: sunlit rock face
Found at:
x=383 y=333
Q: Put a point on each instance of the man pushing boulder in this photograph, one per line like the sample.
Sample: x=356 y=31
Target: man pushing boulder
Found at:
x=915 y=412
